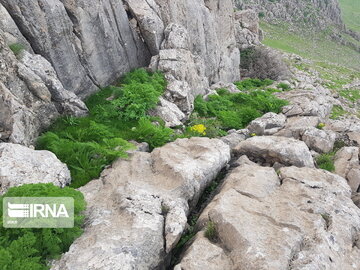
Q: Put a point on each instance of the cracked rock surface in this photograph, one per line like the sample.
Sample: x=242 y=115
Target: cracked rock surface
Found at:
x=302 y=219
x=138 y=209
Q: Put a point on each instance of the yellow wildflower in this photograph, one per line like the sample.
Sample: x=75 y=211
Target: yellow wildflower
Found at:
x=199 y=129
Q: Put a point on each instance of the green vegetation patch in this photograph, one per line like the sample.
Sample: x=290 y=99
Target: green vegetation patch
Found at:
x=237 y=110
x=319 y=47
x=16 y=48
x=337 y=112
x=32 y=249
x=326 y=161
x=116 y=114
x=351 y=95
x=351 y=13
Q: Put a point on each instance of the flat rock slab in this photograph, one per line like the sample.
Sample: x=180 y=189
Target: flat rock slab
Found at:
x=138 y=209
x=305 y=219
x=271 y=149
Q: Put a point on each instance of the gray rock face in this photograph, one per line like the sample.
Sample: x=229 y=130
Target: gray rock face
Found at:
x=31 y=96
x=268 y=124
x=248 y=33
x=21 y=165
x=321 y=141
x=92 y=43
x=316 y=13
x=138 y=210
x=308 y=103
x=262 y=224
x=89 y=44
x=347 y=165
x=271 y=149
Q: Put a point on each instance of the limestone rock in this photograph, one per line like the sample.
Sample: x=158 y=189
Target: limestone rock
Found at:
x=271 y=149
x=248 y=33
x=347 y=165
x=137 y=210
x=268 y=124
x=169 y=112
x=308 y=103
x=299 y=224
x=31 y=97
x=21 y=165
x=83 y=53
x=234 y=138
x=321 y=141
x=204 y=254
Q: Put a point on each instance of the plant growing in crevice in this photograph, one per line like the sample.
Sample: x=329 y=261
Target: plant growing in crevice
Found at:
x=211 y=232
x=17 y=48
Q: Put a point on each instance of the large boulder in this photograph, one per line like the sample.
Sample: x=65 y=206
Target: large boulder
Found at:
x=316 y=102
x=272 y=149
x=321 y=141
x=31 y=96
x=268 y=124
x=302 y=219
x=138 y=209
x=347 y=165
x=21 y=165
x=248 y=33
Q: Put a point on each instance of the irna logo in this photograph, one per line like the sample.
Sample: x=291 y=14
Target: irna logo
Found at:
x=38 y=212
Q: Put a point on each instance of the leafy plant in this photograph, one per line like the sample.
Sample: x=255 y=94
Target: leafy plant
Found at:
x=283 y=86
x=249 y=84
x=237 y=110
x=116 y=114
x=33 y=248
x=211 y=232
x=326 y=161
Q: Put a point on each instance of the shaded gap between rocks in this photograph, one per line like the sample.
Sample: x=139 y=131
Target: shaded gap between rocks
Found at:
x=174 y=257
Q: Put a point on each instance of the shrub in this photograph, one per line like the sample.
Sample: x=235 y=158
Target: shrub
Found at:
x=321 y=126
x=33 y=248
x=326 y=161
x=261 y=15
x=249 y=84
x=211 y=232
x=154 y=135
x=237 y=110
x=261 y=62
x=116 y=114
x=283 y=86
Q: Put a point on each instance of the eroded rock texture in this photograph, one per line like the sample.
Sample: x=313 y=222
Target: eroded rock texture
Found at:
x=138 y=209
x=302 y=219
x=92 y=43
x=20 y=165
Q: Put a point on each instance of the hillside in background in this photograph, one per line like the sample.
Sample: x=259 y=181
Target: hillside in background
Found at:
x=351 y=13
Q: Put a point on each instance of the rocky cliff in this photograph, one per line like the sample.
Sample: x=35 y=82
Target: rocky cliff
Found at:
x=318 y=13
x=89 y=44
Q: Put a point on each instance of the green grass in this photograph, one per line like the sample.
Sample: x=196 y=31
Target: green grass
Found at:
x=351 y=13
x=351 y=95
x=211 y=232
x=318 y=47
x=16 y=48
x=32 y=249
x=237 y=110
x=326 y=161
x=117 y=114
x=337 y=112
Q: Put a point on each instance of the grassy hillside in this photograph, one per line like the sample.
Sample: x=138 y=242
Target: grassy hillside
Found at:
x=317 y=47
x=351 y=13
